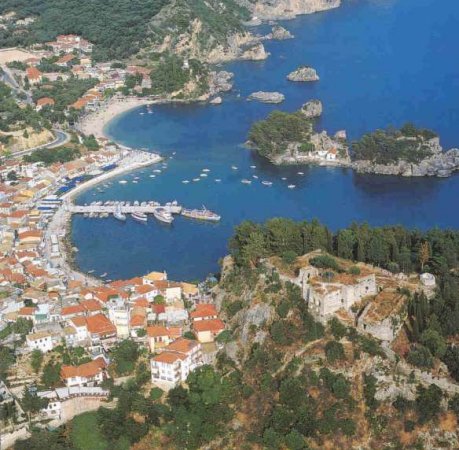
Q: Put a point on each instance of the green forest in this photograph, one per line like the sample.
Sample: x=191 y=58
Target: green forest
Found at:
x=272 y=135
x=12 y=116
x=118 y=28
x=391 y=145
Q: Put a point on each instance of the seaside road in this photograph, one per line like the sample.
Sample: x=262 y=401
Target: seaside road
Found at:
x=62 y=137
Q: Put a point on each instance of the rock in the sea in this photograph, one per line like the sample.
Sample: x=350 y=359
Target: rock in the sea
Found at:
x=221 y=81
x=216 y=101
x=280 y=33
x=255 y=53
x=267 y=97
x=313 y=108
x=303 y=73
x=341 y=134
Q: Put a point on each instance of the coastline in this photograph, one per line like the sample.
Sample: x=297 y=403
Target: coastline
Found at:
x=60 y=223
x=95 y=122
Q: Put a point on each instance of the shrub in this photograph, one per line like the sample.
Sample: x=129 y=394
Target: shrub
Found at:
x=325 y=262
x=334 y=351
x=420 y=356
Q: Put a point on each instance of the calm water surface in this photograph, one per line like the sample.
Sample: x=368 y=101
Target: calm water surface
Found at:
x=380 y=62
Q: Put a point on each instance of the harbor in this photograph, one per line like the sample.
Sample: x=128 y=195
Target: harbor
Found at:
x=139 y=211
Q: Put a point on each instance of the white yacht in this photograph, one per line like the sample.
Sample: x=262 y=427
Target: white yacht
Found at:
x=163 y=215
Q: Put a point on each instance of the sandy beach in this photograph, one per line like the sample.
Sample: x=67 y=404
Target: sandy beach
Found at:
x=95 y=122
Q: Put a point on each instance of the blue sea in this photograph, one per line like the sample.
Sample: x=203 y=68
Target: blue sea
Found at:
x=381 y=62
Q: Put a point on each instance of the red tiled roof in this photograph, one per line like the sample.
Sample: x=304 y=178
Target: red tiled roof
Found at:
x=87 y=370
x=204 y=310
x=214 y=325
x=100 y=324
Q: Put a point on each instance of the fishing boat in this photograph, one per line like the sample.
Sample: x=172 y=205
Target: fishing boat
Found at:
x=139 y=216
x=163 y=215
x=267 y=183
x=291 y=186
x=185 y=181
x=201 y=214
x=245 y=181
x=122 y=182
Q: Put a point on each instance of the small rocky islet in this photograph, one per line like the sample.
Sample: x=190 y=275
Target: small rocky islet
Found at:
x=303 y=74
x=267 y=97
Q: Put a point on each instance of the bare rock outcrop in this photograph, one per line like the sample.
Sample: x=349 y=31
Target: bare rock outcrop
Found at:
x=313 y=108
x=302 y=74
x=279 y=33
x=256 y=52
x=288 y=9
x=267 y=97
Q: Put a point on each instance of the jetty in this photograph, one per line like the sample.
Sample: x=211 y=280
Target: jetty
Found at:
x=111 y=207
x=120 y=208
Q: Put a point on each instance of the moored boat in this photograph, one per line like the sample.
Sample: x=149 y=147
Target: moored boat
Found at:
x=245 y=181
x=201 y=214
x=163 y=215
x=139 y=216
x=119 y=215
x=267 y=183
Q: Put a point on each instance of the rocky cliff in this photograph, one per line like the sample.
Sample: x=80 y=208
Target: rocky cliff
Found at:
x=438 y=164
x=288 y=9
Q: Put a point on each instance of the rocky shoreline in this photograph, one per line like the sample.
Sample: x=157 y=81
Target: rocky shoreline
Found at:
x=441 y=164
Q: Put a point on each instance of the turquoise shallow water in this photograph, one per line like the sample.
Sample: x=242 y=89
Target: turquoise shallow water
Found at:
x=380 y=62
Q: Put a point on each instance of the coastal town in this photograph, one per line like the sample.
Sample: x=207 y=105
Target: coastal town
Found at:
x=55 y=306
x=46 y=304
x=302 y=316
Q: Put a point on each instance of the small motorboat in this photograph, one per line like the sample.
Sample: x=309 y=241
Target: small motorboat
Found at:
x=234 y=167
x=245 y=181
x=291 y=186
x=217 y=180
x=300 y=173
x=185 y=181
x=122 y=182
x=267 y=183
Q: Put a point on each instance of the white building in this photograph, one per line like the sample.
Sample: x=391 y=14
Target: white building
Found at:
x=175 y=363
x=42 y=340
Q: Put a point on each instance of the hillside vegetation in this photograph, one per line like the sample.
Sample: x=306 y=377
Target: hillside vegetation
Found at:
x=273 y=135
x=391 y=145
x=121 y=28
